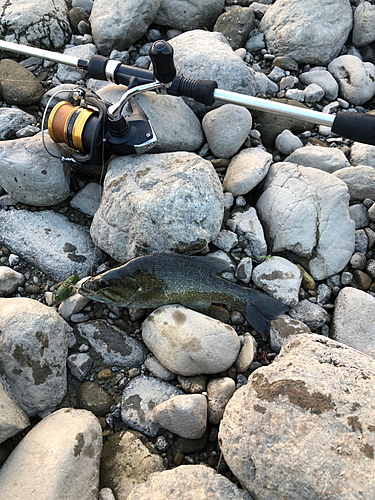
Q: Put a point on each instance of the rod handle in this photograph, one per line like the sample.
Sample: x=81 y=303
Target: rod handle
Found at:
x=359 y=127
x=200 y=90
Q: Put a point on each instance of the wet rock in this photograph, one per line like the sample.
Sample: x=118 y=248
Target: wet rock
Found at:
x=59 y=458
x=360 y=181
x=18 y=85
x=12 y=418
x=284 y=327
x=236 y=26
x=10 y=280
x=300 y=391
x=33 y=352
x=356 y=79
x=186 y=15
x=91 y=397
x=328 y=159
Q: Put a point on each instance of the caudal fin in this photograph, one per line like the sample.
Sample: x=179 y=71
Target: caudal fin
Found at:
x=260 y=308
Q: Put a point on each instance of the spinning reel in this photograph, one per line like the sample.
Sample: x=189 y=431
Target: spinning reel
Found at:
x=96 y=129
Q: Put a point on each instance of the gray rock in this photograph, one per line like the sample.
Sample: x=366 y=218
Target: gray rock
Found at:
x=113 y=345
x=33 y=352
x=362 y=154
x=358 y=213
x=118 y=25
x=284 y=327
x=361 y=241
x=360 y=181
x=313 y=93
x=354 y=307
x=304 y=31
x=10 y=280
x=327 y=159
x=92 y=397
x=219 y=392
x=67 y=444
x=313 y=315
x=182 y=340
x=49 y=241
x=79 y=364
x=324 y=79
x=225 y=240
x=280 y=278
x=84 y=5
x=31 y=175
x=87 y=200
x=70 y=74
x=259 y=9
x=250 y=234
x=18 y=85
x=363 y=29
x=307 y=388
x=195 y=481
x=236 y=25
x=13 y=119
x=295 y=202
x=141 y=461
x=358 y=261
x=356 y=79
x=64 y=90
x=244 y=270
x=175 y=125
x=177 y=199
x=73 y=304
x=186 y=15
x=255 y=43
x=184 y=415
x=226 y=129
x=246 y=170
x=45 y=25
x=247 y=352
x=106 y=494
x=139 y=398
x=264 y=85
x=158 y=370
x=27 y=131
x=295 y=94
x=12 y=418
x=287 y=142
x=208 y=56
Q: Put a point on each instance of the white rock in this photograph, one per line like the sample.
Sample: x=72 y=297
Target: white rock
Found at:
x=219 y=392
x=246 y=354
x=12 y=418
x=295 y=94
x=287 y=142
x=360 y=181
x=58 y=459
x=158 y=370
x=364 y=20
x=362 y=154
x=225 y=240
x=181 y=339
x=313 y=93
x=10 y=280
x=87 y=200
x=72 y=305
x=327 y=159
x=246 y=170
x=324 y=79
x=250 y=233
x=184 y=415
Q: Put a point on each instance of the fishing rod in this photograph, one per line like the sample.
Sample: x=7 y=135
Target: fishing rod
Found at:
x=96 y=129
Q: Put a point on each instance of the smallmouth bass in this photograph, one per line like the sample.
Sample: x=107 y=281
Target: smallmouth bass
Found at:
x=156 y=280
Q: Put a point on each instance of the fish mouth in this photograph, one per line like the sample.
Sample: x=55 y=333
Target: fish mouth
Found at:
x=88 y=288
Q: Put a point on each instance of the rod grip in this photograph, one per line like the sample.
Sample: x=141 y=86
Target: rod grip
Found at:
x=200 y=90
x=359 y=127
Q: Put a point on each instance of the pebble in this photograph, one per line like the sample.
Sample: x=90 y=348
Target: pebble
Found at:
x=287 y=142
x=313 y=315
x=10 y=280
x=246 y=354
x=91 y=397
x=219 y=392
x=79 y=365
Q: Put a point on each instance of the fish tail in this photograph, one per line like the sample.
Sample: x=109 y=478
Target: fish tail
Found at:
x=260 y=308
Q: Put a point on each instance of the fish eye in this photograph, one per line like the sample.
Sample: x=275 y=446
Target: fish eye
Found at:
x=103 y=283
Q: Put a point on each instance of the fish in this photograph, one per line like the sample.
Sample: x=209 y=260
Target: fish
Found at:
x=155 y=280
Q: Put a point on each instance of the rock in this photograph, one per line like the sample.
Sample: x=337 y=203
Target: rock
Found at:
x=356 y=79
x=246 y=354
x=113 y=345
x=264 y=84
x=49 y=241
x=284 y=62
x=358 y=261
x=360 y=181
x=250 y=233
x=304 y=32
x=186 y=15
x=11 y=120
x=296 y=201
x=225 y=240
x=279 y=278
x=157 y=370
x=84 y=5
x=106 y=494
x=208 y=56
x=87 y=200
x=121 y=474
x=175 y=125
x=10 y=280
x=295 y=94
x=236 y=25
x=196 y=481
x=193 y=385
x=73 y=305
x=31 y=175
x=361 y=241
x=352 y=322
x=246 y=170
x=33 y=352
x=91 y=397
x=244 y=270
x=139 y=398
x=300 y=391
x=286 y=142
x=226 y=129
x=364 y=19
x=323 y=78
x=322 y=158
x=117 y=26
x=12 y=418
x=177 y=199
x=358 y=213
x=313 y=93
x=70 y=74
x=64 y=91
x=18 y=85
x=79 y=365
x=27 y=131
x=59 y=458
x=361 y=280
x=219 y=392
x=255 y=43
x=312 y=315
x=181 y=339
x=362 y=154
x=284 y=327
x=184 y=415
x=43 y=25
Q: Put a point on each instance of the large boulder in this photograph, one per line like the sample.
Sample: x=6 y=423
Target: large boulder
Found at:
x=188 y=15
x=306 y=211
x=309 y=33
x=305 y=424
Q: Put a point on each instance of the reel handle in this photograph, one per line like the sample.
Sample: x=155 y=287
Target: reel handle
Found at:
x=161 y=54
